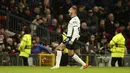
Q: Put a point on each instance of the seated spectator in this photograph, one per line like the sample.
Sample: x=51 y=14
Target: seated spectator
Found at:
x=49 y=19
x=44 y=24
x=92 y=49
x=21 y=7
x=84 y=33
x=97 y=11
x=67 y=4
x=93 y=45
x=9 y=47
x=54 y=25
x=92 y=21
x=36 y=12
x=118 y=11
x=6 y=58
x=1 y=50
x=27 y=14
x=62 y=22
x=82 y=13
x=128 y=38
x=101 y=27
x=2 y=41
x=104 y=47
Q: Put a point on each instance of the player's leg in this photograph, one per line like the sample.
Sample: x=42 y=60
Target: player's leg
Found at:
x=77 y=59
x=58 y=55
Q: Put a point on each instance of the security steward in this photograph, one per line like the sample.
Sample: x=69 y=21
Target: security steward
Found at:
x=25 y=46
x=117 y=47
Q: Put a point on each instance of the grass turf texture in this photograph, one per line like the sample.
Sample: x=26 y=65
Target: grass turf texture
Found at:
x=21 y=69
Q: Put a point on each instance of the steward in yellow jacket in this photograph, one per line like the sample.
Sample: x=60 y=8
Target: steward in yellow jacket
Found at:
x=25 y=46
x=117 y=47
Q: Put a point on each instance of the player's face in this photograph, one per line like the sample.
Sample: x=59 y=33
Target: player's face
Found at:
x=71 y=11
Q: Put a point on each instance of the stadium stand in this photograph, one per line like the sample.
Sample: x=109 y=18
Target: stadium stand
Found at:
x=48 y=20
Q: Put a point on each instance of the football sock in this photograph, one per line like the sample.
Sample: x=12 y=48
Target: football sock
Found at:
x=58 y=58
x=77 y=59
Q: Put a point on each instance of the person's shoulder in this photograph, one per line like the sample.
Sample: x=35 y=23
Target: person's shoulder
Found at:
x=27 y=35
x=75 y=19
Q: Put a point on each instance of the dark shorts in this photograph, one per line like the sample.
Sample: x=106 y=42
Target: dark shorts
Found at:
x=74 y=46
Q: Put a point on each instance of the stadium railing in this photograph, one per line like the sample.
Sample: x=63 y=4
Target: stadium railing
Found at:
x=48 y=60
x=16 y=24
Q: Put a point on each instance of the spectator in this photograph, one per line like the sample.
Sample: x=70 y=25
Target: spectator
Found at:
x=2 y=41
x=37 y=40
x=67 y=4
x=93 y=45
x=92 y=48
x=36 y=12
x=10 y=47
x=37 y=49
x=45 y=24
x=12 y=5
x=1 y=50
x=127 y=12
x=98 y=11
x=27 y=14
x=4 y=5
x=84 y=33
x=82 y=13
x=92 y=21
x=47 y=11
x=49 y=19
x=6 y=58
x=54 y=25
x=21 y=7
x=101 y=27
x=128 y=38
x=62 y=22
x=118 y=11
x=109 y=24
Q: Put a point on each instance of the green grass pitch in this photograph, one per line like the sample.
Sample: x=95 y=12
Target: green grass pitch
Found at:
x=22 y=69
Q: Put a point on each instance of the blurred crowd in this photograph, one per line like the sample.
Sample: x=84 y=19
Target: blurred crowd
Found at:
x=99 y=20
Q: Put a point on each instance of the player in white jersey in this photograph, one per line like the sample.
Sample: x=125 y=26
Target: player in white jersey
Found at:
x=71 y=40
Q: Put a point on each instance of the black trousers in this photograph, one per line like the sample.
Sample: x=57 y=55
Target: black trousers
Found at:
x=114 y=59
x=25 y=61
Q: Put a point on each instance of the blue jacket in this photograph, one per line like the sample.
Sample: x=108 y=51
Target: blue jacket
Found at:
x=39 y=48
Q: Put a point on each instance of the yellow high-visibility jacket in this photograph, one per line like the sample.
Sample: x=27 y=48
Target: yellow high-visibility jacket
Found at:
x=25 y=45
x=117 y=46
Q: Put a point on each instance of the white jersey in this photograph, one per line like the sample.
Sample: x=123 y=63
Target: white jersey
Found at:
x=74 y=28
